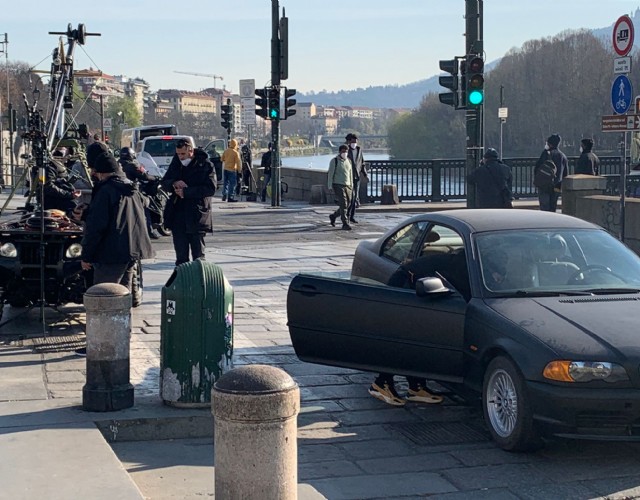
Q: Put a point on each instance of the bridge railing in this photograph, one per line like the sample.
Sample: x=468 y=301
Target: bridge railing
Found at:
x=442 y=180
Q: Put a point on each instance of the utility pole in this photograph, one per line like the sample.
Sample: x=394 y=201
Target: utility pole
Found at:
x=101 y=117
x=5 y=49
x=275 y=84
x=474 y=115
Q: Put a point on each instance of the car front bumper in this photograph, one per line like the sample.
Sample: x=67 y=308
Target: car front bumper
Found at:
x=586 y=413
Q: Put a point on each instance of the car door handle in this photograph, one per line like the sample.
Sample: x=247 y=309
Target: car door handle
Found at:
x=308 y=290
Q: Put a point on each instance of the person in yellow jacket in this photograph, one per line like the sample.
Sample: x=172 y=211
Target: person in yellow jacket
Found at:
x=231 y=167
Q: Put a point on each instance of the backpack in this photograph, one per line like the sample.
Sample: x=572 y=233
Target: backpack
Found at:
x=544 y=176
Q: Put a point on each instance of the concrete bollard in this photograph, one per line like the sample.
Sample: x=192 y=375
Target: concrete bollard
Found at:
x=255 y=428
x=108 y=308
x=318 y=195
x=389 y=195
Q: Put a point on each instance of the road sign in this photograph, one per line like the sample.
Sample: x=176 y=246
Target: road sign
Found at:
x=620 y=123
x=622 y=65
x=621 y=92
x=503 y=112
x=623 y=35
x=248 y=102
x=106 y=124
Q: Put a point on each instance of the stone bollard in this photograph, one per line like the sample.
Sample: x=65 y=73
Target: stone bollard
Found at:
x=108 y=308
x=255 y=434
x=318 y=195
x=389 y=195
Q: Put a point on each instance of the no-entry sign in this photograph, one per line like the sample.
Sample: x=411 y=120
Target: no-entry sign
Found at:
x=623 y=36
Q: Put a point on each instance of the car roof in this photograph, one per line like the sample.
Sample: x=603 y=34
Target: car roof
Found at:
x=480 y=220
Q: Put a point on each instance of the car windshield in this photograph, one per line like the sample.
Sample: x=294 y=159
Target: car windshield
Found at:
x=530 y=262
x=160 y=147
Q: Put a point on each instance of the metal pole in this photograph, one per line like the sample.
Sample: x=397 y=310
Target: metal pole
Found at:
x=2 y=171
x=102 y=117
x=623 y=183
x=275 y=124
x=501 y=119
x=473 y=18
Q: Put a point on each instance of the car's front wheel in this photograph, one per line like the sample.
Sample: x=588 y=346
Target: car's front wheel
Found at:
x=506 y=406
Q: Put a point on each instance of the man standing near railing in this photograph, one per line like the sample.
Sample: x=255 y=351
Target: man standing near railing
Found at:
x=548 y=193
x=359 y=168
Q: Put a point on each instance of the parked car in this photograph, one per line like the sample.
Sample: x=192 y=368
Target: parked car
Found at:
x=534 y=312
x=155 y=153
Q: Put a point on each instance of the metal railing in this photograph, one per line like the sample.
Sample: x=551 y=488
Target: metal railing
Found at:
x=443 y=180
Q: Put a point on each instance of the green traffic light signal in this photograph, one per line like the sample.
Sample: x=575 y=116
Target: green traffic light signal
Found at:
x=274 y=103
x=475 y=97
x=475 y=80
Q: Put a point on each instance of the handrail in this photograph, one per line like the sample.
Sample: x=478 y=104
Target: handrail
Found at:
x=443 y=180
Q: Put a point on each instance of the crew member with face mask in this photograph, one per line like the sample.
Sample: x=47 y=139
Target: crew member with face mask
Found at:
x=191 y=180
x=340 y=182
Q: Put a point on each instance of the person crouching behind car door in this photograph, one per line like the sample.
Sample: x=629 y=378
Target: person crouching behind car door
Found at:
x=115 y=233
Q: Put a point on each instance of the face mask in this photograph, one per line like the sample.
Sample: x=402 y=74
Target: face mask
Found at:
x=546 y=146
x=353 y=145
x=186 y=161
x=581 y=150
x=343 y=156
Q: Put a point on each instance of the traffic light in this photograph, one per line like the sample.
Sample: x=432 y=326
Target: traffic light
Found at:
x=274 y=103
x=262 y=103
x=462 y=104
x=451 y=82
x=475 y=81
x=289 y=103
x=225 y=115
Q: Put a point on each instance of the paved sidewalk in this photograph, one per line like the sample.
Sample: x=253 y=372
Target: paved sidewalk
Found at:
x=351 y=446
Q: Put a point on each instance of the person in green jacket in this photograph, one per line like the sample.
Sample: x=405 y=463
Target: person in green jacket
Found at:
x=340 y=182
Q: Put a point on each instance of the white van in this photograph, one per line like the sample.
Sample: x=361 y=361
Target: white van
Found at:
x=155 y=153
x=130 y=137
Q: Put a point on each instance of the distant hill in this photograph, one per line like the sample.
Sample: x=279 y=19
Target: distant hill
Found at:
x=410 y=95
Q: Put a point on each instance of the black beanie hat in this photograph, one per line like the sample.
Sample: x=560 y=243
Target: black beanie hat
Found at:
x=587 y=144
x=554 y=140
x=491 y=154
x=100 y=159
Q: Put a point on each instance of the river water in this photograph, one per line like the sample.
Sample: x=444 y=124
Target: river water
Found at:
x=321 y=162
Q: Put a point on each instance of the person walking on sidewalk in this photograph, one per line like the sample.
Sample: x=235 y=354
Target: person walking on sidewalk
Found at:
x=359 y=168
x=340 y=182
x=231 y=167
x=548 y=194
x=191 y=179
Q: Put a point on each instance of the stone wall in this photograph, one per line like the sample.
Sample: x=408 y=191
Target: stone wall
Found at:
x=582 y=197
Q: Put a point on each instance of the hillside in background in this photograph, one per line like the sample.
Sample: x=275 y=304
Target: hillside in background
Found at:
x=411 y=94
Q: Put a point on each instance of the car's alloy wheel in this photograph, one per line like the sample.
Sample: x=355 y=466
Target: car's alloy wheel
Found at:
x=506 y=407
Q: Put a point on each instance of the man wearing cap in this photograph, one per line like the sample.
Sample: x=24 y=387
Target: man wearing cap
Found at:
x=548 y=197
x=115 y=234
x=493 y=181
x=359 y=168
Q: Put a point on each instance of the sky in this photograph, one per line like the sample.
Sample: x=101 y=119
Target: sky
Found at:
x=333 y=44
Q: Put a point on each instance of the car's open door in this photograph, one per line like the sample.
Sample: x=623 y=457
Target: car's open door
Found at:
x=375 y=327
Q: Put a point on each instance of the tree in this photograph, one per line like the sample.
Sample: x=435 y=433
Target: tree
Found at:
x=124 y=114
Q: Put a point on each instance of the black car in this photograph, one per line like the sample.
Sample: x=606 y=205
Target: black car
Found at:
x=536 y=312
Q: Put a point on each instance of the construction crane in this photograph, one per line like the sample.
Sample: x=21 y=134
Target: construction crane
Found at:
x=215 y=77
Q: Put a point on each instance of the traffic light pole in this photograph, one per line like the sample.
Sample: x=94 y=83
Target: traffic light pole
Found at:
x=275 y=124
x=474 y=115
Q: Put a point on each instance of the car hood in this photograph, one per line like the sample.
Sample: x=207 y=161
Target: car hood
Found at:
x=590 y=326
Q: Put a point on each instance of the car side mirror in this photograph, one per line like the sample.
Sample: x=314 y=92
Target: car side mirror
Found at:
x=431 y=286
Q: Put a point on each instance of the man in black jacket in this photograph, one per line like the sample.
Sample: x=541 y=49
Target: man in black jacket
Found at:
x=548 y=196
x=265 y=164
x=588 y=163
x=191 y=180
x=359 y=174
x=115 y=234
x=493 y=181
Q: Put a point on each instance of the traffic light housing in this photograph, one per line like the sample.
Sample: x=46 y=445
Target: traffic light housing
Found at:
x=450 y=82
x=225 y=115
x=262 y=103
x=474 y=81
x=274 y=103
x=289 y=103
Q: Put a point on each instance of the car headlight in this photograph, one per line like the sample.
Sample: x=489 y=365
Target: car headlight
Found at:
x=584 y=371
x=74 y=251
x=8 y=250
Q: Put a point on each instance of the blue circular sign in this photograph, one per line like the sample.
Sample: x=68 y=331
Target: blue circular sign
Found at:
x=621 y=94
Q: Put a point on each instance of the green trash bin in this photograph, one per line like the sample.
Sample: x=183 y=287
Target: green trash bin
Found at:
x=196 y=333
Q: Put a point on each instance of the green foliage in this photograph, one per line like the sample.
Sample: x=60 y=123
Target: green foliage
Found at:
x=560 y=84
